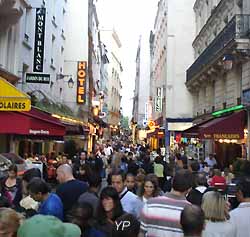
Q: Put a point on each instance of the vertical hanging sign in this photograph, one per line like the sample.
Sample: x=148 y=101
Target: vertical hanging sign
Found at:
x=158 y=100
x=39 y=40
x=81 y=82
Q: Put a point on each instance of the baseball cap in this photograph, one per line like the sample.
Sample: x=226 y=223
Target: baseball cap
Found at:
x=47 y=226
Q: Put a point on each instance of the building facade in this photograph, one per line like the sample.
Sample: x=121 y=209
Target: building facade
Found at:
x=171 y=53
x=220 y=74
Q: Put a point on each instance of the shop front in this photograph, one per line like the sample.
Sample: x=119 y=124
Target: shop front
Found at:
x=223 y=136
x=33 y=131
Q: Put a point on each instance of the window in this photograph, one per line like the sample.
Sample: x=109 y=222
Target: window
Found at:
x=27 y=20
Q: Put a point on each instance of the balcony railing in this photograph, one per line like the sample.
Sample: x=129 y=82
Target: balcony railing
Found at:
x=237 y=28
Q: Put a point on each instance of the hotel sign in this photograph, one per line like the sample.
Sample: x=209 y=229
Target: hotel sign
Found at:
x=81 y=82
x=39 y=40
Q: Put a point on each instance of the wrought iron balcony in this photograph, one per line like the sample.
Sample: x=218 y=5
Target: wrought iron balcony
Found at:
x=237 y=28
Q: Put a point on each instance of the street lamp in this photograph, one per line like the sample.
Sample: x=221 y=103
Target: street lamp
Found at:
x=227 y=61
x=62 y=76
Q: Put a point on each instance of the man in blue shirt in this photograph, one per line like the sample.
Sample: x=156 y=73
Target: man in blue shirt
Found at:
x=50 y=203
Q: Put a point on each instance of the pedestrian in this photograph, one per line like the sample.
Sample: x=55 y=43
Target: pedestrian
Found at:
x=150 y=188
x=47 y=226
x=82 y=160
x=91 y=195
x=82 y=215
x=216 y=215
x=211 y=161
x=12 y=187
x=50 y=203
x=9 y=222
x=192 y=221
x=111 y=216
x=155 y=215
x=218 y=181
x=130 y=182
x=241 y=215
x=69 y=189
x=130 y=202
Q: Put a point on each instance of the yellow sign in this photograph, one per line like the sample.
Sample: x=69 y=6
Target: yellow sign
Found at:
x=11 y=99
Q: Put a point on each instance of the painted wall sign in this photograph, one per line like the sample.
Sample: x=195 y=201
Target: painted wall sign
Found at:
x=39 y=40
x=37 y=78
x=81 y=82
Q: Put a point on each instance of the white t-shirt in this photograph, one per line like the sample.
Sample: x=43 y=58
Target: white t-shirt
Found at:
x=219 y=229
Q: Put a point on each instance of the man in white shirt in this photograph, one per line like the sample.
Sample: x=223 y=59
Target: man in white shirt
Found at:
x=240 y=217
x=211 y=161
x=130 y=202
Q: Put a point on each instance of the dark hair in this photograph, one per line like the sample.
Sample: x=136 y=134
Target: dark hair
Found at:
x=244 y=186
x=109 y=192
x=195 y=166
x=94 y=180
x=119 y=173
x=192 y=220
x=154 y=180
x=80 y=214
x=182 y=180
x=38 y=185
x=13 y=167
x=32 y=173
x=201 y=179
x=130 y=175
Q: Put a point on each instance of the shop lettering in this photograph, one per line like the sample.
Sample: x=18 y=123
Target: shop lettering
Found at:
x=226 y=136
x=12 y=105
x=38 y=132
x=81 y=82
x=39 y=40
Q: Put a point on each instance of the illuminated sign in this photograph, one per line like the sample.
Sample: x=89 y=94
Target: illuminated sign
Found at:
x=234 y=108
x=222 y=136
x=39 y=40
x=81 y=82
x=38 y=132
x=151 y=123
x=37 y=78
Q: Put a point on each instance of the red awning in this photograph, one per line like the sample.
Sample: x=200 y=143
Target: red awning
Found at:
x=35 y=123
x=230 y=127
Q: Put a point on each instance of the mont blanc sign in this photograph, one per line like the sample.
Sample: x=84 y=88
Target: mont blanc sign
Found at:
x=39 y=40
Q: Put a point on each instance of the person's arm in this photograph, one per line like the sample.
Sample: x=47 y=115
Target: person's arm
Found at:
x=141 y=234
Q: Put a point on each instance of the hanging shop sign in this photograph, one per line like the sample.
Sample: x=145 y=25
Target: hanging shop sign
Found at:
x=37 y=78
x=158 y=100
x=81 y=82
x=39 y=40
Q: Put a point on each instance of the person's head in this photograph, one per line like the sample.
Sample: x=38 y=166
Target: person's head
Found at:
x=201 y=179
x=130 y=181
x=47 y=226
x=38 y=188
x=12 y=172
x=95 y=181
x=64 y=159
x=9 y=222
x=182 y=181
x=194 y=166
x=83 y=155
x=243 y=189
x=192 y=220
x=118 y=180
x=64 y=173
x=217 y=172
x=141 y=171
x=211 y=156
x=28 y=176
x=81 y=214
x=139 y=180
x=150 y=187
x=214 y=206
x=109 y=203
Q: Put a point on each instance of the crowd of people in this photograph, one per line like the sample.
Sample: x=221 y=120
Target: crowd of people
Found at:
x=124 y=190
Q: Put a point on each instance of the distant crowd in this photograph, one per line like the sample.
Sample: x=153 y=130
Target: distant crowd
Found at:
x=126 y=190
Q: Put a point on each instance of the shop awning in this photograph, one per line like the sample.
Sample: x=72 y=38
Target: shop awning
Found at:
x=33 y=123
x=229 y=127
x=12 y=99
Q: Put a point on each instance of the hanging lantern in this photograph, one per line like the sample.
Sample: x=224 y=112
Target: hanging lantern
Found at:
x=228 y=62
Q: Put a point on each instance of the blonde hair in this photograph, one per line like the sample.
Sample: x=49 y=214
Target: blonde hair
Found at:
x=214 y=206
x=10 y=221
